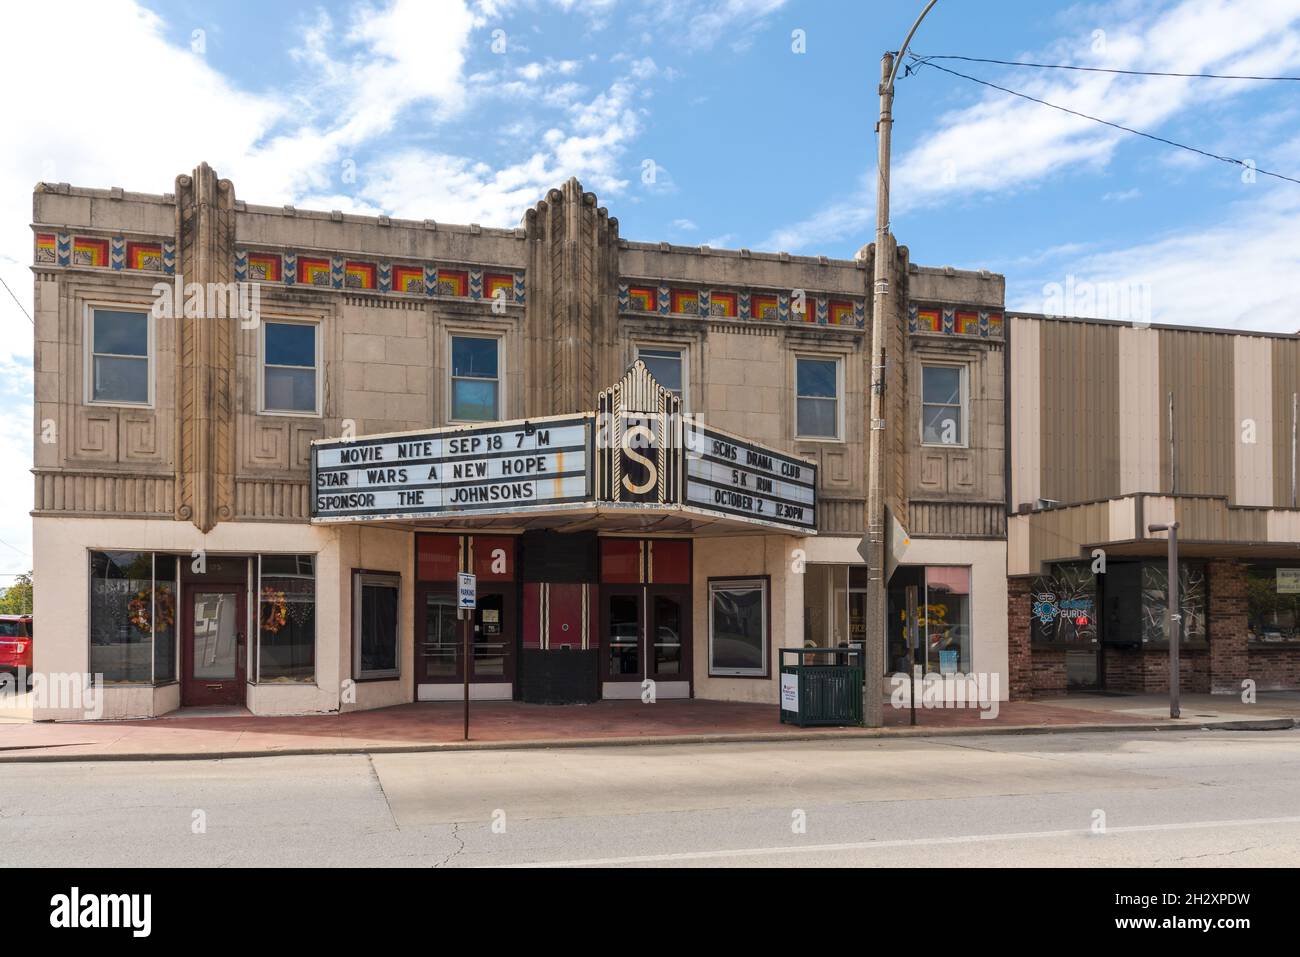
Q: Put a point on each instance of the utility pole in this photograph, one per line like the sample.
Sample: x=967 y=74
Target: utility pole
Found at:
x=883 y=312
x=1174 y=623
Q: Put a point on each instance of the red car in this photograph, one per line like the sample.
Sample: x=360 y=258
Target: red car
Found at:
x=16 y=644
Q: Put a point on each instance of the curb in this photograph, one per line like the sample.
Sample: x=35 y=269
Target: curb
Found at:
x=1251 y=724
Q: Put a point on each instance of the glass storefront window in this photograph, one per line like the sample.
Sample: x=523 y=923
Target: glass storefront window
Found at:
x=1192 y=599
x=1064 y=605
x=133 y=617
x=1273 y=604
x=943 y=619
x=286 y=617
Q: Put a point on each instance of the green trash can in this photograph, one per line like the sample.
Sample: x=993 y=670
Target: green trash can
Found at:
x=822 y=687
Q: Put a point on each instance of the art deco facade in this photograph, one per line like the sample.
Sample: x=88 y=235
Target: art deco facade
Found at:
x=183 y=552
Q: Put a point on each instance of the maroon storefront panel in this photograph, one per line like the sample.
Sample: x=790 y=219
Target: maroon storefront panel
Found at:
x=437 y=557
x=558 y=614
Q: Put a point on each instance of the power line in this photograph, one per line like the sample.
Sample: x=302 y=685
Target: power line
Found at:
x=16 y=299
x=1127 y=129
x=1100 y=69
x=14 y=547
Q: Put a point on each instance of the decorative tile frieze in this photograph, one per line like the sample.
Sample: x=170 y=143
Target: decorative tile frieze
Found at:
x=321 y=271
x=956 y=321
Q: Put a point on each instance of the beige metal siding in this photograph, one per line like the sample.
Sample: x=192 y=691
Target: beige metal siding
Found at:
x=1025 y=392
x=1139 y=410
x=1198 y=368
x=1286 y=382
x=1080 y=411
x=1253 y=420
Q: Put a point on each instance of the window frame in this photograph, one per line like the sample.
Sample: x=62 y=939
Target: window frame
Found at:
x=765 y=586
x=684 y=355
x=500 y=380
x=838 y=360
x=255 y=619
x=262 y=366
x=963 y=390
x=362 y=577
x=88 y=353
x=175 y=584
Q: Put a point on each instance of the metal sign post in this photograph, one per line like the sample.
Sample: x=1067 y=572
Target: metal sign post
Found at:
x=466 y=602
x=913 y=645
x=1174 y=618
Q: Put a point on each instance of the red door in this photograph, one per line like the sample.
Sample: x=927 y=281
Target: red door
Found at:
x=213 y=645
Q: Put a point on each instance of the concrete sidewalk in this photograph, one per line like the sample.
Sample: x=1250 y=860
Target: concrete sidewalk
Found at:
x=200 y=734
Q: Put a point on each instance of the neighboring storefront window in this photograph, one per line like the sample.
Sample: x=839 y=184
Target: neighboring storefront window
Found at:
x=834 y=598
x=375 y=605
x=738 y=628
x=286 y=619
x=1063 y=605
x=1192 y=599
x=945 y=619
x=1273 y=604
x=133 y=616
x=943 y=626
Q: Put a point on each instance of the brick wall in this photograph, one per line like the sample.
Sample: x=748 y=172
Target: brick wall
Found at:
x=1273 y=669
x=1143 y=671
x=1020 y=656
x=1229 y=656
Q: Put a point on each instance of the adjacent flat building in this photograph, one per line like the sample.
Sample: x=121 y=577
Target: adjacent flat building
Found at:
x=1116 y=428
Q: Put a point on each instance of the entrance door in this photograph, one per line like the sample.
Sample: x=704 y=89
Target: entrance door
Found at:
x=441 y=637
x=1083 y=668
x=438 y=636
x=668 y=636
x=213 y=645
x=645 y=633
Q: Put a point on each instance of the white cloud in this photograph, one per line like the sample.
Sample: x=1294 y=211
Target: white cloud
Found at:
x=1239 y=272
x=1002 y=144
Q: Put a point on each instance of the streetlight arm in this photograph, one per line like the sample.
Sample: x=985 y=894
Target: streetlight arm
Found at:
x=889 y=84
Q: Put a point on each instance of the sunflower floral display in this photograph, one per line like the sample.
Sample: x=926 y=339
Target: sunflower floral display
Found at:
x=275 y=610
x=150 y=603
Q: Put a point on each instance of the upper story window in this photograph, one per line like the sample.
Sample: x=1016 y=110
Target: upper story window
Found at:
x=817 y=398
x=943 y=405
x=668 y=366
x=475 y=379
x=121 y=357
x=290 y=353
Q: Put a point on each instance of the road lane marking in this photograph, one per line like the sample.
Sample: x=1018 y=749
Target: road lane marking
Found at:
x=901 y=842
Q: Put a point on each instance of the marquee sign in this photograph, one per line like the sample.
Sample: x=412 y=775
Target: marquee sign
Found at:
x=735 y=477
x=502 y=467
x=636 y=451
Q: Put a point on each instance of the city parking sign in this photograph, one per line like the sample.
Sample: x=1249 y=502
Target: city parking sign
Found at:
x=466 y=591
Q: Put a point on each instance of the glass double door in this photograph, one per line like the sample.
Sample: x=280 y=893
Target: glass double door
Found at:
x=440 y=637
x=645 y=633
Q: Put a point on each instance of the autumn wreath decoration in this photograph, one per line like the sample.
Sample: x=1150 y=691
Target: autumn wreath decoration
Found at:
x=147 y=602
x=275 y=609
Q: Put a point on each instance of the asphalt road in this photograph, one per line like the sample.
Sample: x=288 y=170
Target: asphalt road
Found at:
x=1202 y=798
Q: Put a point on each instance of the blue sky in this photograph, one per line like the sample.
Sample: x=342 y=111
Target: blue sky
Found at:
x=467 y=110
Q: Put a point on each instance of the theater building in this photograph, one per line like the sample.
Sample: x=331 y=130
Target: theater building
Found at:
x=270 y=439
x=1115 y=428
